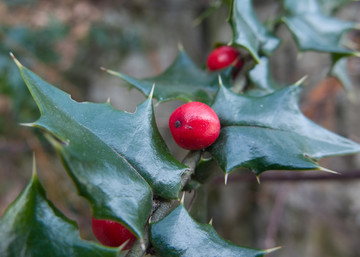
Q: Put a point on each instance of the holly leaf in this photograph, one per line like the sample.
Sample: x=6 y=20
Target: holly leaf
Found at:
x=271 y=133
x=340 y=71
x=33 y=227
x=183 y=80
x=315 y=31
x=191 y=236
x=115 y=158
x=262 y=81
x=248 y=32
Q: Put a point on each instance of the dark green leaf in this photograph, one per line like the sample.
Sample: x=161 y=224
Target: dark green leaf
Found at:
x=199 y=205
x=340 y=71
x=179 y=235
x=262 y=80
x=313 y=30
x=270 y=132
x=33 y=227
x=112 y=156
x=248 y=32
x=183 y=80
x=205 y=170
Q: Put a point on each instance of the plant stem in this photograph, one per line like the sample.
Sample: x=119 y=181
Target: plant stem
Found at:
x=164 y=207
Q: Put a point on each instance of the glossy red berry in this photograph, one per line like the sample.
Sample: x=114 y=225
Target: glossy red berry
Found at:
x=223 y=57
x=111 y=233
x=194 y=126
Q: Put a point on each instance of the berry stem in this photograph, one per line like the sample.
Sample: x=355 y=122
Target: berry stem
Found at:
x=164 y=207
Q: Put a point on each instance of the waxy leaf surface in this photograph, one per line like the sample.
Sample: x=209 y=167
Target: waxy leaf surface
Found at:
x=183 y=80
x=313 y=30
x=115 y=158
x=262 y=81
x=33 y=227
x=179 y=235
x=248 y=32
x=271 y=133
x=340 y=71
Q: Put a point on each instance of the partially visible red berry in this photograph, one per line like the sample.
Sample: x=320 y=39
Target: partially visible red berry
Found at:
x=112 y=233
x=223 y=57
x=194 y=126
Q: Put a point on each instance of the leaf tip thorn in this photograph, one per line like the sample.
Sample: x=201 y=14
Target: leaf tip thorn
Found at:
x=182 y=198
x=27 y=124
x=226 y=178
x=15 y=60
x=220 y=81
x=258 y=179
x=111 y=72
x=271 y=250
x=301 y=81
x=152 y=91
x=211 y=221
x=180 y=47
x=329 y=171
x=142 y=244
x=34 y=166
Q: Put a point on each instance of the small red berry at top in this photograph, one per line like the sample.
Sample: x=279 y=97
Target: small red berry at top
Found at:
x=223 y=57
x=112 y=233
x=194 y=126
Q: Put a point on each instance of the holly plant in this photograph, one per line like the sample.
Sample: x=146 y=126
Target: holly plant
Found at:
x=122 y=166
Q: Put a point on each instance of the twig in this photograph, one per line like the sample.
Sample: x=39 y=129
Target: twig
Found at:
x=291 y=177
x=275 y=217
x=165 y=207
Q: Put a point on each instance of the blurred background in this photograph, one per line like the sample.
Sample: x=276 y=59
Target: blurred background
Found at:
x=308 y=213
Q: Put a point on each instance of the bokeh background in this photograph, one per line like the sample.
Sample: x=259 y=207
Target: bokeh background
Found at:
x=310 y=214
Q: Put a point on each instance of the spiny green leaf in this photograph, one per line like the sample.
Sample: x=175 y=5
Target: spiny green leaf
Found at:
x=262 y=80
x=179 y=235
x=271 y=133
x=199 y=206
x=183 y=80
x=340 y=71
x=313 y=30
x=112 y=156
x=248 y=32
x=33 y=227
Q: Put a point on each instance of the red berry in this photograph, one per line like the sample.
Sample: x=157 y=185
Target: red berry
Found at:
x=223 y=57
x=111 y=233
x=194 y=126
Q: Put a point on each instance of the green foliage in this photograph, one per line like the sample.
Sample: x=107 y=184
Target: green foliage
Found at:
x=249 y=32
x=33 y=227
x=126 y=149
x=340 y=71
x=315 y=31
x=261 y=79
x=183 y=80
x=193 y=239
x=119 y=162
x=289 y=141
